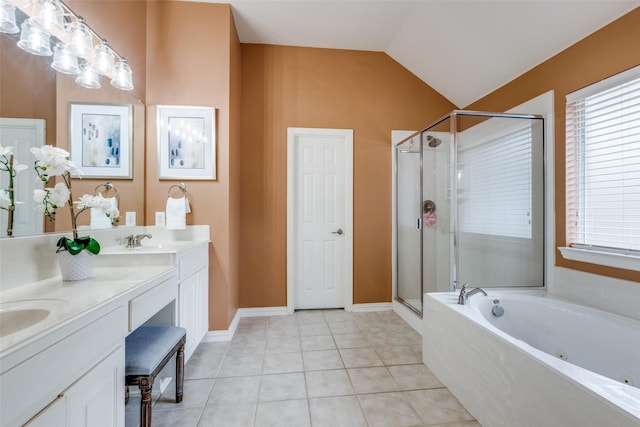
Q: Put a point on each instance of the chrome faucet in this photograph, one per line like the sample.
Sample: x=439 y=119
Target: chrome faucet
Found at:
x=465 y=293
x=134 y=241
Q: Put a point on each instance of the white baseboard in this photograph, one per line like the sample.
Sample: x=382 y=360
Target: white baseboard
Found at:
x=262 y=311
x=376 y=306
x=408 y=316
x=227 y=335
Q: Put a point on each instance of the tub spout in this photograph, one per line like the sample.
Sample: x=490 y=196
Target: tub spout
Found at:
x=466 y=292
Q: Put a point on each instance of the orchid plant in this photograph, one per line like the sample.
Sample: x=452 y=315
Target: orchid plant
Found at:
x=54 y=161
x=7 y=195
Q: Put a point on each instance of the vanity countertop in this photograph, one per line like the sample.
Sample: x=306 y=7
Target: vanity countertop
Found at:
x=71 y=304
x=154 y=247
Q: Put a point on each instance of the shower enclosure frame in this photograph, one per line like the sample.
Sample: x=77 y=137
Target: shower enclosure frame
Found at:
x=454 y=116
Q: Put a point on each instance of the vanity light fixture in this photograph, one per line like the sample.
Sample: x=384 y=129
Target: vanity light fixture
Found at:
x=73 y=40
x=8 y=18
x=64 y=60
x=122 y=76
x=50 y=16
x=34 y=39
x=80 y=39
x=104 y=59
x=88 y=76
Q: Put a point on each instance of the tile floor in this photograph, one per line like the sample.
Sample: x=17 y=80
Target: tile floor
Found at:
x=313 y=368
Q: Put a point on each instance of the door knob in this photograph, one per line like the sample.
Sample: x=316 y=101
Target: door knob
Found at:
x=339 y=232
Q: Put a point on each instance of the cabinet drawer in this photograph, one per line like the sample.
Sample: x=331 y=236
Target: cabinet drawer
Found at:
x=144 y=306
x=192 y=261
x=45 y=375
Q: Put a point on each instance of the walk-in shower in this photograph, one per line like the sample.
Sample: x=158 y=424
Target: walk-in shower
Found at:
x=470 y=204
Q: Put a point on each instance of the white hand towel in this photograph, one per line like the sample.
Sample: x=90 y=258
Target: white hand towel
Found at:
x=98 y=217
x=176 y=212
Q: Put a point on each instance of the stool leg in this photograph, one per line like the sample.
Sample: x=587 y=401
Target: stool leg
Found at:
x=179 y=373
x=146 y=387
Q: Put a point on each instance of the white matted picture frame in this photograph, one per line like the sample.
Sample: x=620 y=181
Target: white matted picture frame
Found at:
x=186 y=142
x=100 y=137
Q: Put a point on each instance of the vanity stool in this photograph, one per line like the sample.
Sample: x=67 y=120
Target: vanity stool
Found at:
x=148 y=349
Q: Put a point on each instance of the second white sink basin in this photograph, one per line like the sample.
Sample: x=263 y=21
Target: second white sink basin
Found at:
x=18 y=315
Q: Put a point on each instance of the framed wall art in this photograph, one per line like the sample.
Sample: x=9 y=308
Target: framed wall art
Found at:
x=186 y=142
x=100 y=140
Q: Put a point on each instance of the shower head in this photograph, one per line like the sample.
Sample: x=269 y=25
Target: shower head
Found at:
x=432 y=141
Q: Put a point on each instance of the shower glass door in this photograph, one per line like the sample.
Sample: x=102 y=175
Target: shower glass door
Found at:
x=409 y=237
x=436 y=210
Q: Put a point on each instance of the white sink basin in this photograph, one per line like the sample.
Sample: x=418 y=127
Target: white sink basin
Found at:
x=18 y=315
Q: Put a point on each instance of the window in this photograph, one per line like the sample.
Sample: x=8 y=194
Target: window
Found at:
x=496 y=182
x=603 y=165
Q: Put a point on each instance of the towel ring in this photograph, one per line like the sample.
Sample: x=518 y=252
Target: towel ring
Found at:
x=182 y=187
x=108 y=186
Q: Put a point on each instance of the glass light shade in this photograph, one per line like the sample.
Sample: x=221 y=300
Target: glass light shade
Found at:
x=8 y=18
x=104 y=59
x=122 y=76
x=20 y=4
x=88 y=77
x=50 y=16
x=80 y=39
x=64 y=60
x=33 y=39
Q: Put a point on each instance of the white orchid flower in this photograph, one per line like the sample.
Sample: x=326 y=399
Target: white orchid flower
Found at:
x=5 y=151
x=19 y=167
x=59 y=195
x=39 y=196
x=87 y=201
x=51 y=199
x=5 y=200
x=54 y=161
x=99 y=202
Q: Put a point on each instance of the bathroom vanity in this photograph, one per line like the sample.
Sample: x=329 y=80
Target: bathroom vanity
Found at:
x=62 y=358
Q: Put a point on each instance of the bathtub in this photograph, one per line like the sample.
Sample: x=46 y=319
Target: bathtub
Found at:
x=543 y=362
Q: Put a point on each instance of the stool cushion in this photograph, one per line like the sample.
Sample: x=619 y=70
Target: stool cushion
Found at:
x=148 y=345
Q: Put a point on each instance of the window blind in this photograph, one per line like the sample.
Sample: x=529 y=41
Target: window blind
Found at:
x=496 y=180
x=603 y=165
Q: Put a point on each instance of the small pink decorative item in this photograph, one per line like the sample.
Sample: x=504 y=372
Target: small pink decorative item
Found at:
x=429 y=219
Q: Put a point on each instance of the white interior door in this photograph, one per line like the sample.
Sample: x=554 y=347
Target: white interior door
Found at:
x=22 y=134
x=320 y=218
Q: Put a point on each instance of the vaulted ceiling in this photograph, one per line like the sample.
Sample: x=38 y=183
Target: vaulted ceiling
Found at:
x=464 y=49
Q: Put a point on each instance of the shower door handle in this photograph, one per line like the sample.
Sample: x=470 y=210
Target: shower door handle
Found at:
x=339 y=232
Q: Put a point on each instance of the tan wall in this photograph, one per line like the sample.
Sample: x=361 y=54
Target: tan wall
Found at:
x=305 y=87
x=123 y=24
x=27 y=86
x=235 y=158
x=189 y=51
x=609 y=51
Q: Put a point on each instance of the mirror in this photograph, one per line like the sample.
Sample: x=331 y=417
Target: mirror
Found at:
x=40 y=97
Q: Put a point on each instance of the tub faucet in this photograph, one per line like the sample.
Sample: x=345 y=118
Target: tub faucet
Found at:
x=134 y=241
x=465 y=293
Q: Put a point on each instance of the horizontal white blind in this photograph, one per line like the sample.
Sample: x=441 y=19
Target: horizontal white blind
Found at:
x=495 y=184
x=603 y=168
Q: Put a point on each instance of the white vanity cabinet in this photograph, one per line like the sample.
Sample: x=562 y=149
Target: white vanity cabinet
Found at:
x=95 y=400
x=193 y=295
x=70 y=371
x=63 y=378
